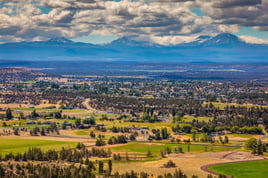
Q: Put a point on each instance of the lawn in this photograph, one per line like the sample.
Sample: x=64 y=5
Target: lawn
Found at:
x=82 y=132
x=140 y=147
x=20 y=145
x=252 y=169
x=200 y=119
x=155 y=125
x=223 y=105
x=51 y=110
x=244 y=135
x=31 y=109
x=101 y=114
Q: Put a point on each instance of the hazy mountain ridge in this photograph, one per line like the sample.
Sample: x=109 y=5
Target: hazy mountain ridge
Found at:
x=221 y=48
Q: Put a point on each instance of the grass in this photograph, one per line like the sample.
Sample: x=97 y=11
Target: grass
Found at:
x=43 y=109
x=17 y=145
x=244 y=135
x=81 y=132
x=28 y=82
x=27 y=126
x=140 y=147
x=200 y=119
x=37 y=109
x=251 y=169
x=101 y=114
x=223 y=105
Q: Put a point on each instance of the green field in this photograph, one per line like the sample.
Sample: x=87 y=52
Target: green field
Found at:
x=50 y=110
x=82 y=132
x=252 y=169
x=31 y=109
x=20 y=145
x=140 y=147
x=223 y=105
x=200 y=119
x=101 y=114
x=155 y=125
x=244 y=135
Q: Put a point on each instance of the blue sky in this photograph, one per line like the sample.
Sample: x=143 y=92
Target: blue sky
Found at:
x=159 y=21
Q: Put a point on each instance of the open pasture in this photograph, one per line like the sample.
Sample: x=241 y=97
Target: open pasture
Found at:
x=141 y=147
x=19 y=145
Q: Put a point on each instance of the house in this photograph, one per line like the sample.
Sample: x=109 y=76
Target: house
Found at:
x=100 y=125
x=89 y=117
x=47 y=122
x=84 y=126
x=144 y=128
x=67 y=123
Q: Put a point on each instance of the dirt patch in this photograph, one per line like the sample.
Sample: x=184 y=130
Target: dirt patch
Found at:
x=190 y=166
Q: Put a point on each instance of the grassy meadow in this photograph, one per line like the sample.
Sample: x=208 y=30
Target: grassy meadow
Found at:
x=19 y=145
x=141 y=147
x=251 y=169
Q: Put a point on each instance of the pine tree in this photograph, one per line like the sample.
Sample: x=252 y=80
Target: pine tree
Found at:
x=2 y=171
x=100 y=167
x=149 y=153
x=127 y=157
x=110 y=166
x=8 y=114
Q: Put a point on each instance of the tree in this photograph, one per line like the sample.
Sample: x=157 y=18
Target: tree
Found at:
x=221 y=140
x=251 y=144
x=110 y=166
x=21 y=115
x=100 y=167
x=100 y=142
x=16 y=131
x=34 y=114
x=2 y=171
x=169 y=164
x=180 y=149
x=226 y=139
x=8 y=114
x=149 y=153
x=92 y=134
x=43 y=132
x=162 y=154
x=4 y=124
x=77 y=122
x=127 y=157
x=259 y=147
x=132 y=137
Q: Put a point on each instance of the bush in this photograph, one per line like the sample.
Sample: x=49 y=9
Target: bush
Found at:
x=169 y=164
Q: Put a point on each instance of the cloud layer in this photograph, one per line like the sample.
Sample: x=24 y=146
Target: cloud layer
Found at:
x=161 y=21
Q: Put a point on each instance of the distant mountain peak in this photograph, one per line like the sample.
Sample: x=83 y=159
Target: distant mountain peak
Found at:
x=60 y=40
x=224 y=39
x=129 y=42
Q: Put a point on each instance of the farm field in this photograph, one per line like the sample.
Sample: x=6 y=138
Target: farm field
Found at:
x=139 y=147
x=251 y=169
x=19 y=145
x=200 y=119
x=223 y=105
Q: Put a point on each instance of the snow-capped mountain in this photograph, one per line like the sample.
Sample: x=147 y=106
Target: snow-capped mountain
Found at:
x=221 y=48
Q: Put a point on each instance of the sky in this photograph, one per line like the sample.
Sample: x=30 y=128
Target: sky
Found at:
x=165 y=22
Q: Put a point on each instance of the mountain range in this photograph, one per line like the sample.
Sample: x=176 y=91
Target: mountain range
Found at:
x=221 y=48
